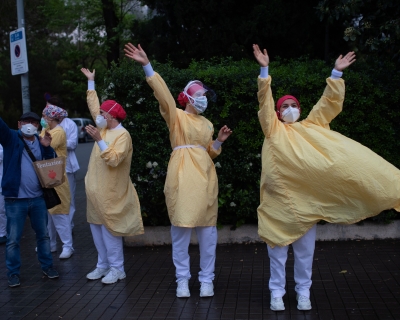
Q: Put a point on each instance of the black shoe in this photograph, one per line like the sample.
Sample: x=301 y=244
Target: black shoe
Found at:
x=3 y=239
x=51 y=273
x=13 y=281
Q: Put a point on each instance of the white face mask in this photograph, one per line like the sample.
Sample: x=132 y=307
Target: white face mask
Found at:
x=200 y=104
x=28 y=129
x=101 y=122
x=291 y=114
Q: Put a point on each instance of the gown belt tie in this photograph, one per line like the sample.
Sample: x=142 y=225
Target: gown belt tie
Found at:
x=189 y=146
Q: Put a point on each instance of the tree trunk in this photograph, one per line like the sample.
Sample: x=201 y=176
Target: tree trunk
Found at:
x=111 y=22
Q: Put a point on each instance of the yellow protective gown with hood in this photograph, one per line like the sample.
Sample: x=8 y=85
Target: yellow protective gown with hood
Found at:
x=311 y=173
x=191 y=185
x=112 y=200
x=59 y=144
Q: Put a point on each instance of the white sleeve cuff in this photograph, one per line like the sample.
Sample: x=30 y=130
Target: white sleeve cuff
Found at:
x=102 y=145
x=264 y=72
x=336 y=74
x=90 y=85
x=217 y=144
x=148 y=70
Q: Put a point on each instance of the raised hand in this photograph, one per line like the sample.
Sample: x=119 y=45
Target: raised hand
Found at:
x=224 y=133
x=88 y=74
x=94 y=132
x=46 y=139
x=261 y=56
x=343 y=62
x=136 y=53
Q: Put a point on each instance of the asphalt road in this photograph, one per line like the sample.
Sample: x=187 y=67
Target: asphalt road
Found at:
x=83 y=152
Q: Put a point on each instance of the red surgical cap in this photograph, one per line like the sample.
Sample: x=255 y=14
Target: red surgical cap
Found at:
x=114 y=109
x=282 y=100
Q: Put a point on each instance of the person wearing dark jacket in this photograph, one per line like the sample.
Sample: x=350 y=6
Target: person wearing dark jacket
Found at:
x=23 y=193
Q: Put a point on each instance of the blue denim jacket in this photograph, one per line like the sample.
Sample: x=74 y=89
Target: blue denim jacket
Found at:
x=13 y=148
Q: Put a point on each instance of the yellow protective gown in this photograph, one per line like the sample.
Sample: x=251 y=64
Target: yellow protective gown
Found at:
x=59 y=144
x=191 y=186
x=310 y=173
x=112 y=200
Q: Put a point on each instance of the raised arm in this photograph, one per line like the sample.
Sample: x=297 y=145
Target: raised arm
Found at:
x=91 y=95
x=161 y=91
x=266 y=114
x=331 y=102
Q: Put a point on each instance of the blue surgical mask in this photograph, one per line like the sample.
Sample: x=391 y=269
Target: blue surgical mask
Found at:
x=44 y=123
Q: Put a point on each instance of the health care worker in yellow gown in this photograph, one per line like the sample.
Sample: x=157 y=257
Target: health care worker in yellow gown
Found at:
x=311 y=173
x=59 y=215
x=113 y=208
x=191 y=186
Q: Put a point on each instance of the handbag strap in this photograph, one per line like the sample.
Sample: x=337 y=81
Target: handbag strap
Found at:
x=28 y=149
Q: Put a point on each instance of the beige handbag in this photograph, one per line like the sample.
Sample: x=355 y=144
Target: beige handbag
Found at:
x=51 y=172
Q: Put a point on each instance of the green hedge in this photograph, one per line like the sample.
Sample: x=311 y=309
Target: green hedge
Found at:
x=371 y=116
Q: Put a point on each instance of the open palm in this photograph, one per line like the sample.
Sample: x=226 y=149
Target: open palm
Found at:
x=261 y=56
x=343 y=62
x=136 y=53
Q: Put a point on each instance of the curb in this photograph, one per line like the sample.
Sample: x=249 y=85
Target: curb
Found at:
x=158 y=236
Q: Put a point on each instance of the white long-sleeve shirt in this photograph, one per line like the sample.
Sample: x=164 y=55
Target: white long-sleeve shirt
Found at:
x=71 y=131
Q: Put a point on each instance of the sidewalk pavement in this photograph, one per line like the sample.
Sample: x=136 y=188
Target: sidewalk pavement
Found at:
x=351 y=280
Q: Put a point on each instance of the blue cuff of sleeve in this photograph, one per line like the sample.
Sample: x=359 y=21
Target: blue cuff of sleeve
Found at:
x=90 y=85
x=336 y=74
x=264 y=72
x=102 y=145
x=217 y=144
x=148 y=70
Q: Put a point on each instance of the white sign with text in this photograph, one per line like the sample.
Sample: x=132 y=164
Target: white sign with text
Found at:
x=19 y=57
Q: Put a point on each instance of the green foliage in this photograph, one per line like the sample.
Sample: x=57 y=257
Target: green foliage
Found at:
x=371 y=27
x=368 y=117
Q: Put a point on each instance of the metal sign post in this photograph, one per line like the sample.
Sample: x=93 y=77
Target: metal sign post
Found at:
x=19 y=57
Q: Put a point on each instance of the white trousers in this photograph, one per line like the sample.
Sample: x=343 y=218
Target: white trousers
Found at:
x=3 y=217
x=303 y=250
x=207 y=238
x=109 y=248
x=72 y=187
x=59 y=223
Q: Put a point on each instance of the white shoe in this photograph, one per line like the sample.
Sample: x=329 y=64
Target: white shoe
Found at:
x=66 y=253
x=277 y=304
x=303 y=303
x=206 y=289
x=113 y=276
x=97 y=273
x=182 y=290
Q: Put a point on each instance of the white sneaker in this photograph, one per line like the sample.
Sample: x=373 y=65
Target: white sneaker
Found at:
x=113 y=276
x=277 y=304
x=303 y=303
x=97 y=273
x=206 y=289
x=66 y=253
x=182 y=290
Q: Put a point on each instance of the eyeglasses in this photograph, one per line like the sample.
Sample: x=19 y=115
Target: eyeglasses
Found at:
x=34 y=122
